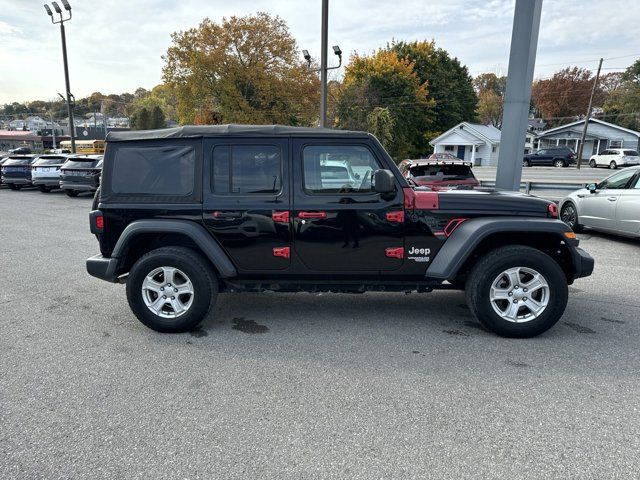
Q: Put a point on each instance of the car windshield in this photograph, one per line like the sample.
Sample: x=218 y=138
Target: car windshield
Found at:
x=630 y=153
x=81 y=163
x=43 y=161
x=442 y=172
x=17 y=161
x=331 y=172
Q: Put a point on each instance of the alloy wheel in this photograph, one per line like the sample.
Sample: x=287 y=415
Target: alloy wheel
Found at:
x=519 y=294
x=167 y=292
x=568 y=216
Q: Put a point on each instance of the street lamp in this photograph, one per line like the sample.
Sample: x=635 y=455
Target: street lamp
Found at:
x=70 y=100
x=323 y=80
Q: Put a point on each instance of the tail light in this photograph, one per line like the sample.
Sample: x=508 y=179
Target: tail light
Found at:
x=553 y=210
x=96 y=222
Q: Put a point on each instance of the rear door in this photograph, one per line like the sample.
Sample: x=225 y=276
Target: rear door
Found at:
x=339 y=223
x=628 y=208
x=246 y=200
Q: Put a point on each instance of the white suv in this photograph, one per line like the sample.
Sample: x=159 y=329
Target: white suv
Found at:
x=614 y=158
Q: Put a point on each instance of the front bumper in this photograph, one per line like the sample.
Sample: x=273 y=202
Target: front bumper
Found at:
x=582 y=263
x=103 y=268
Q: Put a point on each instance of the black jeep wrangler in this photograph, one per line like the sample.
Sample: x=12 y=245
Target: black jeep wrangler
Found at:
x=190 y=212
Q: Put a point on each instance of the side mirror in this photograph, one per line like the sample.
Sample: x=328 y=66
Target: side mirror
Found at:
x=383 y=181
x=592 y=187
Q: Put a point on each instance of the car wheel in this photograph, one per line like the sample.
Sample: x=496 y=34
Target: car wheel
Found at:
x=517 y=291
x=613 y=165
x=593 y=164
x=13 y=186
x=44 y=188
x=171 y=289
x=558 y=163
x=71 y=193
x=569 y=215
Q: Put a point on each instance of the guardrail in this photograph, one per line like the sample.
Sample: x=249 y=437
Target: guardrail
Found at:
x=529 y=186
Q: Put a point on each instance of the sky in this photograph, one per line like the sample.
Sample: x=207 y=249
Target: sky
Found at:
x=116 y=46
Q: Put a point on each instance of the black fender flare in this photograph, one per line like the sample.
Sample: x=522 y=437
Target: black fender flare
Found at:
x=464 y=240
x=196 y=232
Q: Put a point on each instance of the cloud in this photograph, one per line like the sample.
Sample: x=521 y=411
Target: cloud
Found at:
x=117 y=46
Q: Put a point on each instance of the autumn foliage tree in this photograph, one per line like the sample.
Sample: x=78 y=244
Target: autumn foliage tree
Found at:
x=623 y=103
x=381 y=93
x=244 y=70
x=490 y=89
x=565 y=94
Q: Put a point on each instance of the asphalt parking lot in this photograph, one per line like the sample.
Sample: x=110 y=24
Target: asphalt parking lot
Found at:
x=301 y=385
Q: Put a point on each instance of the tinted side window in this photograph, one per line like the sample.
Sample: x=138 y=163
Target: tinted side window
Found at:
x=338 y=169
x=617 y=181
x=246 y=169
x=155 y=170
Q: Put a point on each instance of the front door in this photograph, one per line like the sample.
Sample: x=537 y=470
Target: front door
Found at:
x=246 y=201
x=598 y=209
x=461 y=149
x=339 y=223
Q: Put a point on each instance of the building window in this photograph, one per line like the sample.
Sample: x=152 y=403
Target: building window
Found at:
x=477 y=148
x=448 y=148
x=493 y=148
x=615 y=143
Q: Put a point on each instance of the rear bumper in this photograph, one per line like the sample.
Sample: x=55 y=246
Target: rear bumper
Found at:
x=16 y=181
x=78 y=187
x=103 y=268
x=47 y=182
x=582 y=263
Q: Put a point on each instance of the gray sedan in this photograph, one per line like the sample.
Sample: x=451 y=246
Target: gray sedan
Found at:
x=613 y=205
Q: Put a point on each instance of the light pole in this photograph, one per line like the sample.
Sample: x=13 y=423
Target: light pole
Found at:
x=70 y=100
x=323 y=62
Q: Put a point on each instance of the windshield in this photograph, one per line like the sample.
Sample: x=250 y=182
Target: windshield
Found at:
x=17 y=161
x=334 y=173
x=439 y=173
x=82 y=163
x=49 y=161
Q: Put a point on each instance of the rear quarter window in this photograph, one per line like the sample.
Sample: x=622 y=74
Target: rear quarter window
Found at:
x=154 y=170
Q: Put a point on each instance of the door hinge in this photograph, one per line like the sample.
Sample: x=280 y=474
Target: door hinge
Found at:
x=397 y=217
x=395 y=252
x=284 y=252
x=280 y=217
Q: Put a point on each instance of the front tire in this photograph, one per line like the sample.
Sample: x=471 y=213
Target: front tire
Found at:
x=593 y=164
x=517 y=291
x=526 y=163
x=613 y=165
x=44 y=188
x=569 y=215
x=13 y=186
x=171 y=289
x=559 y=163
x=71 y=193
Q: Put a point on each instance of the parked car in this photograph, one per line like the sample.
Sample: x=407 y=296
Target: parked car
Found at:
x=555 y=156
x=174 y=206
x=16 y=171
x=45 y=171
x=3 y=158
x=20 y=151
x=614 y=158
x=440 y=174
x=613 y=205
x=81 y=173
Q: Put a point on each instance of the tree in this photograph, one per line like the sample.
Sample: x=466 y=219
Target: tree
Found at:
x=449 y=82
x=490 y=89
x=245 y=70
x=141 y=120
x=157 y=118
x=622 y=106
x=383 y=80
x=565 y=95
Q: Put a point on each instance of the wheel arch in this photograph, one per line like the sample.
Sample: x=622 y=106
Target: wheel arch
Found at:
x=142 y=236
x=476 y=237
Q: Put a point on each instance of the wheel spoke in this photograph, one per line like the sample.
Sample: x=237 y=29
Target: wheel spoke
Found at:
x=183 y=288
x=169 y=274
x=514 y=277
x=178 y=306
x=511 y=312
x=500 y=293
x=157 y=305
x=536 y=283
x=152 y=285
x=534 y=306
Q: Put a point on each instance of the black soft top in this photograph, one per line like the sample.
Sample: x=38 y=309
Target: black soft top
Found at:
x=199 y=131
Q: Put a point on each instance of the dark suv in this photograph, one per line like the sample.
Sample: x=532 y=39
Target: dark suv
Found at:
x=81 y=173
x=190 y=212
x=16 y=171
x=556 y=156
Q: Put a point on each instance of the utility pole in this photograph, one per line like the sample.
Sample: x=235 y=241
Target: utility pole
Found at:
x=517 y=99
x=70 y=100
x=586 y=120
x=323 y=63
x=53 y=130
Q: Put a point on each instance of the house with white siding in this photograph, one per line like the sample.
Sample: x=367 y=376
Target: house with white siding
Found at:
x=473 y=142
x=601 y=135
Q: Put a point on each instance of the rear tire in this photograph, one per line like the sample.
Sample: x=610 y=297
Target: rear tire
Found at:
x=44 y=188
x=487 y=283
x=593 y=164
x=526 y=163
x=13 y=186
x=71 y=193
x=559 y=163
x=167 y=317
x=613 y=165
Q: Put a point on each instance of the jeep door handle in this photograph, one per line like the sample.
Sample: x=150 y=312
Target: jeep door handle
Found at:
x=320 y=215
x=612 y=199
x=226 y=215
